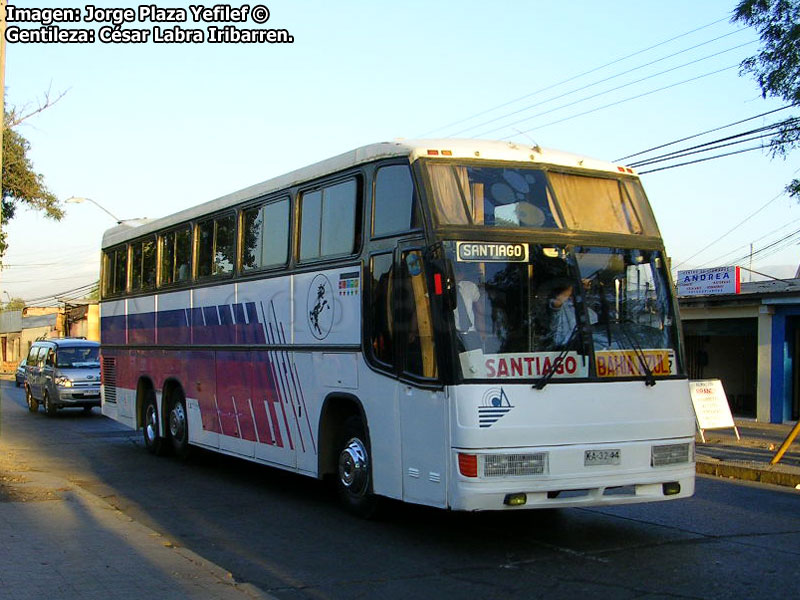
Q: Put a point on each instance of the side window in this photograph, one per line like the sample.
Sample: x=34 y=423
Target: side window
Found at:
x=413 y=318
x=50 y=359
x=183 y=254
x=176 y=255
x=216 y=246
x=166 y=243
x=395 y=203
x=143 y=265
x=33 y=356
x=265 y=235
x=115 y=275
x=329 y=221
x=379 y=315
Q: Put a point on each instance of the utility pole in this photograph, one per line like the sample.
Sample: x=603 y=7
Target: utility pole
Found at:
x=3 y=4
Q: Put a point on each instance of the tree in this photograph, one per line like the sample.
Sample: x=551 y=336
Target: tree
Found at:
x=777 y=66
x=21 y=184
x=15 y=304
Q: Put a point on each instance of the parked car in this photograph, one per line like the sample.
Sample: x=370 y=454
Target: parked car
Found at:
x=19 y=376
x=61 y=373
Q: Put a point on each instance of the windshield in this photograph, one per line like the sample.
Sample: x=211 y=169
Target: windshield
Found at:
x=527 y=197
x=78 y=357
x=629 y=296
x=525 y=311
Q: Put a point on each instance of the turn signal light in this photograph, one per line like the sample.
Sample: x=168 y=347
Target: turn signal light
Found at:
x=468 y=465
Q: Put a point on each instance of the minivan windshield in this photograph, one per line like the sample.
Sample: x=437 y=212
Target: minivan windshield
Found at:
x=78 y=357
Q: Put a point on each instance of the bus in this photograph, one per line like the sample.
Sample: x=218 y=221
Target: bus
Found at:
x=470 y=325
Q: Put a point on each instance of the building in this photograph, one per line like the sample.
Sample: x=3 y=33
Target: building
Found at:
x=750 y=341
x=20 y=328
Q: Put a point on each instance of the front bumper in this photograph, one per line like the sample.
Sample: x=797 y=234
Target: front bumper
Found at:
x=76 y=396
x=569 y=482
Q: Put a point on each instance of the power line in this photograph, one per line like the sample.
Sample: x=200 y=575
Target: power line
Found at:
x=736 y=250
x=618 y=102
x=83 y=288
x=766 y=131
x=573 y=78
x=731 y=230
x=614 y=89
x=699 y=160
x=696 y=135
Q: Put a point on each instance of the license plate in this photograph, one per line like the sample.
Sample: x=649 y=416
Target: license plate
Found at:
x=592 y=458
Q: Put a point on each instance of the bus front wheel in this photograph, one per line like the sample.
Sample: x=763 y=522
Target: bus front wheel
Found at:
x=354 y=470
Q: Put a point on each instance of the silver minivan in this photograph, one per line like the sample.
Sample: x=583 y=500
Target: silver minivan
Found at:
x=63 y=372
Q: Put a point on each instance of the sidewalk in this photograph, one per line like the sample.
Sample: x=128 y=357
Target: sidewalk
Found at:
x=749 y=458
x=59 y=541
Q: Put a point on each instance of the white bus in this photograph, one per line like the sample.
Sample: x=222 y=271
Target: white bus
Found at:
x=463 y=324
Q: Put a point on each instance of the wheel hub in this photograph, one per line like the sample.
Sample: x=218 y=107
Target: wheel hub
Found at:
x=151 y=424
x=177 y=421
x=354 y=467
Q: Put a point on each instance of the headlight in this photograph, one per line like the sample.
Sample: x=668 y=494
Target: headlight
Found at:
x=63 y=382
x=671 y=454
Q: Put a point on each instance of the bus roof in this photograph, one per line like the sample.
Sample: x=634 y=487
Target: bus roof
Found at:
x=412 y=149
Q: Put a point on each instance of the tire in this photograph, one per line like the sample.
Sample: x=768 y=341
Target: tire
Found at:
x=49 y=408
x=178 y=423
x=354 y=470
x=33 y=403
x=153 y=441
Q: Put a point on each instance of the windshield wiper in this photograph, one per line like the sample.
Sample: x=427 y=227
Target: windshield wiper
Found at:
x=649 y=378
x=545 y=379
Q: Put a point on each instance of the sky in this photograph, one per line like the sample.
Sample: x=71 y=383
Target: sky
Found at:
x=146 y=130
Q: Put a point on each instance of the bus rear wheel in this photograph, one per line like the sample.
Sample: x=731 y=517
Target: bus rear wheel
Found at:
x=179 y=426
x=354 y=470
x=151 y=430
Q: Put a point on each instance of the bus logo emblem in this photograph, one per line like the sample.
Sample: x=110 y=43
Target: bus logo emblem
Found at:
x=320 y=307
x=495 y=406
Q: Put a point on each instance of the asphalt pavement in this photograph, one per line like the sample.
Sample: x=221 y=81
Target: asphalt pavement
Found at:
x=59 y=540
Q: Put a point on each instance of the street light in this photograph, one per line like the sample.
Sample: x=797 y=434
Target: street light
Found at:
x=81 y=200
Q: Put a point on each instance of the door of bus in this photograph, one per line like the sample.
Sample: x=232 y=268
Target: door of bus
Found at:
x=423 y=405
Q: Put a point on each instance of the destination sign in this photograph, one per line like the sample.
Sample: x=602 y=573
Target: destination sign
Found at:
x=492 y=252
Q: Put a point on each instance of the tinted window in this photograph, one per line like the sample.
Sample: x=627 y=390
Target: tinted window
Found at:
x=183 y=254
x=167 y=243
x=216 y=245
x=412 y=318
x=116 y=271
x=328 y=224
x=380 y=318
x=265 y=235
x=176 y=255
x=395 y=201
x=143 y=265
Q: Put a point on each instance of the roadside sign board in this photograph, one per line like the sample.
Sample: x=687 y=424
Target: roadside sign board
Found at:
x=711 y=407
x=708 y=282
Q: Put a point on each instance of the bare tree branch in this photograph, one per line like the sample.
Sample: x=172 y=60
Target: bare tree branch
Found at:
x=15 y=117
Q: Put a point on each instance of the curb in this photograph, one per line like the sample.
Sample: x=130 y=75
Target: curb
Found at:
x=749 y=471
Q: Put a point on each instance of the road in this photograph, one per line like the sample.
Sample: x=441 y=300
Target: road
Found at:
x=285 y=534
